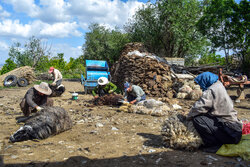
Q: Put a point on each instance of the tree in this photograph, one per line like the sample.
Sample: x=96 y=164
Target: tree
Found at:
x=168 y=28
x=103 y=43
x=33 y=52
x=226 y=24
x=8 y=66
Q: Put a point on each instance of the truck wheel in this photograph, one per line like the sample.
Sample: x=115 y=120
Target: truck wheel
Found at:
x=10 y=80
x=85 y=91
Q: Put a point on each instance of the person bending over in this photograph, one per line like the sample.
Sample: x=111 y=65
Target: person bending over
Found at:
x=104 y=87
x=213 y=114
x=35 y=98
x=133 y=93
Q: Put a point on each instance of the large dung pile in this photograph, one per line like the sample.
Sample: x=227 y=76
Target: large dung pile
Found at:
x=23 y=72
x=142 y=68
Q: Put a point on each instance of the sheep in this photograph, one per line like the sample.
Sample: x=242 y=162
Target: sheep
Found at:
x=179 y=133
x=148 y=107
x=49 y=121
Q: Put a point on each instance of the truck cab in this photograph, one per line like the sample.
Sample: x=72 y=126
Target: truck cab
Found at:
x=94 y=70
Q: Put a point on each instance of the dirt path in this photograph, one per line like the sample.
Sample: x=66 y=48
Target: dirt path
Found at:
x=101 y=136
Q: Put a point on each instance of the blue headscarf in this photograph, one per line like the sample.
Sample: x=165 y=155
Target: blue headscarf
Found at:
x=126 y=86
x=206 y=79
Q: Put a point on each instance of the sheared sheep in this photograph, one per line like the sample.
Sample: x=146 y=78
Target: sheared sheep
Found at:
x=47 y=122
x=179 y=133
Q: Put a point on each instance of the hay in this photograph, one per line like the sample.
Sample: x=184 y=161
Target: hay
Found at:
x=179 y=133
x=23 y=72
x=49 y=121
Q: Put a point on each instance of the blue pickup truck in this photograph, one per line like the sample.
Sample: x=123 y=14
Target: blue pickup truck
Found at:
x=94 y=70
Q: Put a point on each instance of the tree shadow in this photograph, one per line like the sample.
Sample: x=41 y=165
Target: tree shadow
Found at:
x=153 y=140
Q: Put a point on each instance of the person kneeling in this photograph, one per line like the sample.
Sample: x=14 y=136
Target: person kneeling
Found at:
x=133 y=93
x=213 y=114
x=35 y=98
x=104 y=87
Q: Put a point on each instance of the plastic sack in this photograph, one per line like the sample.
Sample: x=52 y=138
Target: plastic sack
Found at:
x=246 y=128
x=241 y=149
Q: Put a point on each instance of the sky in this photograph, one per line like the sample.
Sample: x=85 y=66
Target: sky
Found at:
x=61 y=24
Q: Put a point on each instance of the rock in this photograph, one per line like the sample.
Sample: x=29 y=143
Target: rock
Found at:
x=114 y=128
x=99 y=125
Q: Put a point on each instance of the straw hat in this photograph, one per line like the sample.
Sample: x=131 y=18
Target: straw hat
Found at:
x=102 y=81
x=43 y=88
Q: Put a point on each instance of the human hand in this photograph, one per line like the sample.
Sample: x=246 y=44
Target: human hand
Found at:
x=132 y=102
x=111 y=91
x=95 y=97
x=39 y=108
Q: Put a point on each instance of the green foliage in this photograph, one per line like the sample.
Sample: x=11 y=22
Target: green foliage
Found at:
x=103 y=43
x=32 y=54
x=8 y=66
x=168 y=28
x=212 y=58
x=226 y=25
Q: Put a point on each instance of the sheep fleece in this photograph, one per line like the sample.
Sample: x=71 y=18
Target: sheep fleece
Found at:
x=179 y=133
x=49 y=121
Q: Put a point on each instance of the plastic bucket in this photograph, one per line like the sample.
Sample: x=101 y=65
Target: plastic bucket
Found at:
x=74 y=96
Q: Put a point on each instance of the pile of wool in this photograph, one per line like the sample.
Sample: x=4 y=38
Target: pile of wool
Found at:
x=189 y=90
x=109 y=99
x=179 y=133
x=47 y=122
x=148 y=107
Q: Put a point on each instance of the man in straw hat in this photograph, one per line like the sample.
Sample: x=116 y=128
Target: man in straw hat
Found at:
x=103 y=87
x=57 y=76
x=35 y=98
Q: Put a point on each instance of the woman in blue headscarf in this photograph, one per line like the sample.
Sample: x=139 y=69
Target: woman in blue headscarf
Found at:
x=213 y=114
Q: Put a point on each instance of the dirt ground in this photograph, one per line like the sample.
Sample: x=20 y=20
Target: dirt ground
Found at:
x=101 y=136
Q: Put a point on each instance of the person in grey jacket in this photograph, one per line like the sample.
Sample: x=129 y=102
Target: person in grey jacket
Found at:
x=35 y=98
x=213 y=114
x=133 y=93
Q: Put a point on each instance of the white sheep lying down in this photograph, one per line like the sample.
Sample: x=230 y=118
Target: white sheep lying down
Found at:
x=47 y=122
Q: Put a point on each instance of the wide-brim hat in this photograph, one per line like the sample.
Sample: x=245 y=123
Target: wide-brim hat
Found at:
x=43 y=88
x=102 y=81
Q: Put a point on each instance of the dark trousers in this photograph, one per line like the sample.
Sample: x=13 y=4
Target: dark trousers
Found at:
x=131 y=98
x=59 y=82
x=216 y=132
x=26 y=109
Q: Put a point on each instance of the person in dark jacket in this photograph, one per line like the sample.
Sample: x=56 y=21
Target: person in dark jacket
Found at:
x=133 y=93
x=35 y=98
x=104 y=87
x=213 y=114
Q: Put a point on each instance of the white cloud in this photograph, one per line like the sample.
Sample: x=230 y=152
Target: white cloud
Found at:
x=3 y=13
x=4 y=46
x=112 y=13
x=38 y=28
x=24 y=6
x=69 y=51
x=53 y=11
x=106 y=12
x=61 y=30
x=14 y=28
